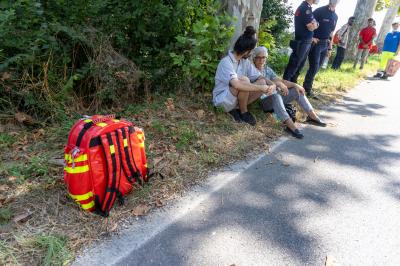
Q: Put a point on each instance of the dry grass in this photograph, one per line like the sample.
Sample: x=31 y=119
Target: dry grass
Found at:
x=185 y=137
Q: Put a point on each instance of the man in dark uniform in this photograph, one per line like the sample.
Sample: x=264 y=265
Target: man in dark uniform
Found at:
x=304 y=25
x=322 y=43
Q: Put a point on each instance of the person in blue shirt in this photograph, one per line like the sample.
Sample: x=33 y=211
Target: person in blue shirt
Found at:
x=391 y=48
x=304 y=25
x=321 y=43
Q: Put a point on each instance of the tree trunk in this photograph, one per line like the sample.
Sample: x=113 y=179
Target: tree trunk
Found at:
x=387 y=22
x=363 y=11
x=247 y=13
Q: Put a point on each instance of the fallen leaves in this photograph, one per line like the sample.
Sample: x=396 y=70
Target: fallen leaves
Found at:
x=57 y=161
x=22 y=217
x=24 y=118
x=159 y=203
x=200 y=114
x=170 y=104
x=5 y=76
x=141 y=209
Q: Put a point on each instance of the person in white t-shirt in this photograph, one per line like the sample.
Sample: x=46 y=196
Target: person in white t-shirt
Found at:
x=237 y=82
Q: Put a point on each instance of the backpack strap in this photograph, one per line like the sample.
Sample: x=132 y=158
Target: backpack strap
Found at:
x=128 y=164
x=112 y=155
x=88 y=124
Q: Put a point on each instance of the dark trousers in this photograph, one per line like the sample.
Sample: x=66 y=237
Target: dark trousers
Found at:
x=337 y=62
x=297 y=58
x=316 y=57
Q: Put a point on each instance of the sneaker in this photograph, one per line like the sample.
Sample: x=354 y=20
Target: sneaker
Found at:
x=379 y=75
x=248 y=118
x=312 y=95
x=384 y=76
x=296 y=133
x=235 y=113
x=318 y=122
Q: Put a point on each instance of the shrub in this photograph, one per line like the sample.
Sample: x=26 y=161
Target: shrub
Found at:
x=201 y=48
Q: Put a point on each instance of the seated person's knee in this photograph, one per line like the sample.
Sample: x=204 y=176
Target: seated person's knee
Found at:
x=261 y=82
x=234 y=91
x=295 y=92
x=244 y=79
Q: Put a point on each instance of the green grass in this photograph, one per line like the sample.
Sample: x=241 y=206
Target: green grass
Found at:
x=186 y=136
x=5 y=215
x=55 y=247
x=8 y=254
x=6 y=140
x=209 y=157
x=333 y=81
x=36 y=167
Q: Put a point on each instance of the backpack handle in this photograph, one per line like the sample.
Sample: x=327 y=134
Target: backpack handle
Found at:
x=103 y=118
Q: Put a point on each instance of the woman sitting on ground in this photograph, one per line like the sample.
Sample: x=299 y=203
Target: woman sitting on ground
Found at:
x=237 y=82
x=288 y=92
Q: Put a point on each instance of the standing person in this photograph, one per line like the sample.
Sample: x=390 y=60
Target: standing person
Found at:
x=391 y=48
x=343 y=35
x=237 y=82
x=321 y=43
x=304 y=25
x=366 y=37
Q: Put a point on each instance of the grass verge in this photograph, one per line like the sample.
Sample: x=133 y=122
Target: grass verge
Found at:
x=185 y=139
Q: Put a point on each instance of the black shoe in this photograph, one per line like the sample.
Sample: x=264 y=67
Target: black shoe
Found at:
x=312 y=95
x=318 y=122
x=296 y=133
x=248 y=118
x=384 y=76
x=235 y=113
x=379 y=75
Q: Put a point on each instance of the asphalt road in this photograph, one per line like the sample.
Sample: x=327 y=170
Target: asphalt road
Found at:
x=336 y=192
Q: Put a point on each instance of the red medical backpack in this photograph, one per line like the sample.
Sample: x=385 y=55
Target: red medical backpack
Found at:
x=104 y=159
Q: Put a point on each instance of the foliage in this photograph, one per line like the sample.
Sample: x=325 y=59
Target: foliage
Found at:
x=202 y=46
x=5 y=216
x=37 y=167
x=55 y=248
x=278 y=60
x=6 y=140
x=382 y=4
x=57 y=58
x=265 y=37
x=280 y=12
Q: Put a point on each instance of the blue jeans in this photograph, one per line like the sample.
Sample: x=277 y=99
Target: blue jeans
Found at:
x=297 y=58
x=276 y=102
x=340 y=52
x=316 y=57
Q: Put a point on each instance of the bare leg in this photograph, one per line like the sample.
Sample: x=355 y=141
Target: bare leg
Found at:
x=313 y=115
x=289 y=123
x=243 y=99
x=253 y=96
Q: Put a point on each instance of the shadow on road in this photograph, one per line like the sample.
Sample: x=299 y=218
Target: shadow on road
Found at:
x=268 y=201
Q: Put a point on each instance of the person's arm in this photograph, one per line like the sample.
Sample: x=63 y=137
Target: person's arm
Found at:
x=249 y=87
x=290 y=84
x=313 y=25
x=310 y=21
x=341 y=31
